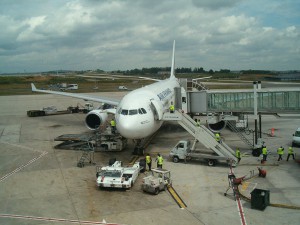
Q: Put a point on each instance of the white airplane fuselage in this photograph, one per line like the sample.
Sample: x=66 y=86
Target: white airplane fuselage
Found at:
x=139 y=113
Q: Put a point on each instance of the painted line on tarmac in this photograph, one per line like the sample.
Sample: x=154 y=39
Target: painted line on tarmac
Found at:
x=37 y=218
x=22 y=167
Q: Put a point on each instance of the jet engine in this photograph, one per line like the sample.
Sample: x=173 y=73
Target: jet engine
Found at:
x=95 y=118
x=216 y=123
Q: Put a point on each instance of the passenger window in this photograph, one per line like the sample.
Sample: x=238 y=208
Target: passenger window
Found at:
x=124 y=112
x=133 y=112
x=144 y=111
x=140 y=111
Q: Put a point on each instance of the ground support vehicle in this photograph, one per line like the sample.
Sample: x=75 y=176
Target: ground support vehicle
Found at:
x=117 y=176
x=103 y=140
x=296 y=138
x=158 y=181
x=108 y=141
x=52 y=110
x=184 y=151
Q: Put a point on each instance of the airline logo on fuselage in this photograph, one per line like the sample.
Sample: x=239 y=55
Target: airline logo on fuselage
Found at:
x=164 y=94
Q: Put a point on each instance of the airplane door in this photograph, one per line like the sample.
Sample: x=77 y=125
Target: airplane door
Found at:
x=158 y=113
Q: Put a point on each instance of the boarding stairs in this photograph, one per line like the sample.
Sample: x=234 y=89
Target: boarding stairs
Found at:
x=87 y=154
x=202 y=134
x=239 y=133
x=195 y=85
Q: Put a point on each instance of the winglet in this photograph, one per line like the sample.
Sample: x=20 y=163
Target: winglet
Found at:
x=33 y=88
x=173 y=62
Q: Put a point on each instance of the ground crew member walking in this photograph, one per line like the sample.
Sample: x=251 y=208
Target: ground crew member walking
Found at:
x=238 y=154
x=198 y=122
x=113 y=125
x=148 y=161
x=172 y=108
x=280 y=153
x=159 y=160
x=290 y=152
x=264 y=153
x=217 y=136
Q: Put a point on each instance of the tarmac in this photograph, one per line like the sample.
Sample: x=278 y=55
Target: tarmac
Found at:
x=43 y=185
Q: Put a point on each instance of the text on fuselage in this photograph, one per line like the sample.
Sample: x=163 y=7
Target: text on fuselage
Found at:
x=162 y=95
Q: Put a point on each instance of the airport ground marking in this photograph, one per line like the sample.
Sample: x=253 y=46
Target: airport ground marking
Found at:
x=58 y=220
x=22 y=167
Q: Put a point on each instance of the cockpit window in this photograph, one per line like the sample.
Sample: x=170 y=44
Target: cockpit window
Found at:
x=124 y=112
x=120 y=110
x=140 y=111
x=143 y=110
x=133 y=111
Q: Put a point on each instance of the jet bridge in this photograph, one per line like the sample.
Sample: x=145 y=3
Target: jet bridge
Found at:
x=230 y=107
x=202 y=134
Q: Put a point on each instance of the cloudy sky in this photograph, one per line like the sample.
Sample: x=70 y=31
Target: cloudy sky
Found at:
x=42 y=35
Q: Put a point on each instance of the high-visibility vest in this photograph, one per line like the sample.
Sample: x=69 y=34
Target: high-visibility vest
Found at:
x=238 y=153
x=264 y=151
x=198 y=123
x=148 y=159
x=113 y=123
x=160 y=160
x=280 y=151
x=172 y=107
x=291 y=150
x=217 y=137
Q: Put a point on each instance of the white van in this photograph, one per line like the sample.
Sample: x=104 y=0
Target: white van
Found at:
x=123 y=88
x=296 y=137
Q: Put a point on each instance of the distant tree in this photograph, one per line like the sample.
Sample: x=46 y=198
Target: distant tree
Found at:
x=224 y=71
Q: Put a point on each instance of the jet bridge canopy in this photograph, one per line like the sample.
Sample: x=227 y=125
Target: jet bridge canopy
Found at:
x=281 y=100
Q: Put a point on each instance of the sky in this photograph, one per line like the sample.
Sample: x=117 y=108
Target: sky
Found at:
x=43 y=35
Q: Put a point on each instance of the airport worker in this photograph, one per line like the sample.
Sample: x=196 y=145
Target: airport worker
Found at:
x=217 y=136
x=198 y=122
x=290 y=153
x=159 y=160
x=280 y=153
x=113 y=125
x=148 y=161
x=264 y=153
x=238 y=154
x=172 y=108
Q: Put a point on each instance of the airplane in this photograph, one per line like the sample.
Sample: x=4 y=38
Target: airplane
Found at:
x=139 y=114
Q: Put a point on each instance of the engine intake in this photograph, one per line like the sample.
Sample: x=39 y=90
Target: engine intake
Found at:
x=215 y=127
x=216 y=123
x=95 y=118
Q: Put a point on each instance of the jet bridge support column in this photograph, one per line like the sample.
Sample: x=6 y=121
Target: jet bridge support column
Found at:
x=255 y=110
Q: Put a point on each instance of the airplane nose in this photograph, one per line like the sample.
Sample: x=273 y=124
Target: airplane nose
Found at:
x=130 y=128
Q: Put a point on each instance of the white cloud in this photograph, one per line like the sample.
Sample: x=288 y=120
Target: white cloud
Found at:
x=83 y=34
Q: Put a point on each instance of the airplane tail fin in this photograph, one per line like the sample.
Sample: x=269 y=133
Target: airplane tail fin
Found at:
x=173 y=62
x=33 y=88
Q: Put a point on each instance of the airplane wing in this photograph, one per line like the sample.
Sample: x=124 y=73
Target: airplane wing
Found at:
x=80 y=96
x=106 y=76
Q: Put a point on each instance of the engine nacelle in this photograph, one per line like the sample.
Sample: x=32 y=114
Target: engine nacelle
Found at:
x=95 y=118
x=216 y=123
